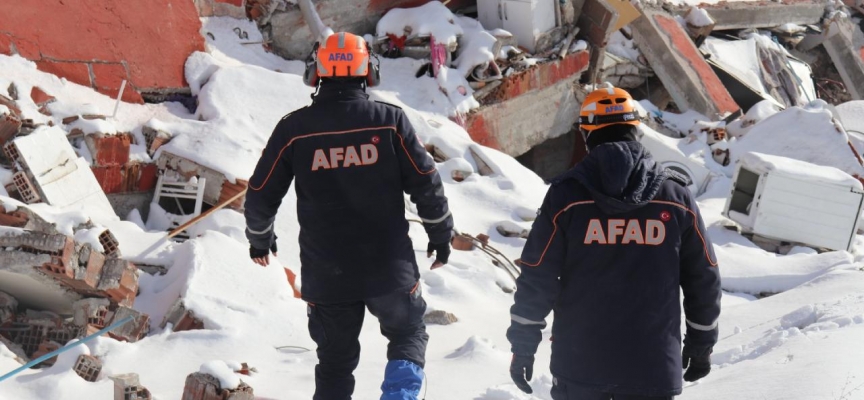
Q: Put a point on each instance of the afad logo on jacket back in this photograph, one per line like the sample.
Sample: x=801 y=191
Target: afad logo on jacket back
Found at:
x=650 y=232
x=345 y=157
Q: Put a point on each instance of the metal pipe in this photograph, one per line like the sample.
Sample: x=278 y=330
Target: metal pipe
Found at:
x=65 y=348
x=319 y=31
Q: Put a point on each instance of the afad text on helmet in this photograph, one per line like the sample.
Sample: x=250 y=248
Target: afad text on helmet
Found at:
x=340 y=57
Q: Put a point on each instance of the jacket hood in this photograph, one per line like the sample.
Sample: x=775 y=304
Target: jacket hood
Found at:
x=621 y=176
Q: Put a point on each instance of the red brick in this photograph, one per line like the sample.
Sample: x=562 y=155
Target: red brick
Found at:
x=40 y=97
x=230 y=190
x=148 y=177
x=76 y=72
x=14 y=219
x=109 y=150
x=109 y=76
x=5 y=44
x=463 y=243
x=109 y=178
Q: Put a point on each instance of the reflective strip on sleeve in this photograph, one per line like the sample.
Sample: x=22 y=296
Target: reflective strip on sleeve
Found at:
x=435 y=221
x=702 y=327
x=525 y=321
x=269 y=228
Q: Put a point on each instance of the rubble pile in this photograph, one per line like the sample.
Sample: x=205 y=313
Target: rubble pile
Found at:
x=54 y=288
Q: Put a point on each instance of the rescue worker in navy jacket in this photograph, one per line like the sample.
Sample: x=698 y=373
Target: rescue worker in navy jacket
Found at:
x=353 y=160
x=614 y=239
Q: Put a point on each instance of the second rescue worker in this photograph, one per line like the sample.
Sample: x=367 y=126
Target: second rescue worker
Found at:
x=615 y=241
x=353 y=160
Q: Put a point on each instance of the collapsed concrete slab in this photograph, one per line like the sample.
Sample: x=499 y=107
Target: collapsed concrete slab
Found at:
x=847 y=57
x=55 y=172
x=680 y=66
x=730 y=15
x=25 y=264
x=530 y=107
x=51 y=271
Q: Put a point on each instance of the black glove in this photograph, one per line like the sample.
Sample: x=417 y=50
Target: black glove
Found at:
x=258 y=253
x=441 y=250
x=521 y=369
x=699 y=363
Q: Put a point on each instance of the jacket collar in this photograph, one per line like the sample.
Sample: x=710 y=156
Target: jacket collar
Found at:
x=340 y=91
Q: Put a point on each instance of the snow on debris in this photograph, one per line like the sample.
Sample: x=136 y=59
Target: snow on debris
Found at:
x=432 y=18
x=803 y=133
x=812 y=320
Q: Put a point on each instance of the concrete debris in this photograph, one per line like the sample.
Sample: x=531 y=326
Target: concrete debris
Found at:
x=531 y=106
x=731 y=15
x=128 y=387
x=459 y=175
x=440 y=317
x=10 y=125
x=482 y=166
x=133 y=330
x=108 y=150
x=110 y=244
x=512 y=231
x=119 y=281
x=624 y=73
x=183 y=169
x=181 y=319
x=8 y=309
x=39 y=333
x=154 y=139
x=846 y=55
x=45 y=348
x=201 y=386
x=54 y=172
x=88 y=367
x=92 y=311
x=680 y=66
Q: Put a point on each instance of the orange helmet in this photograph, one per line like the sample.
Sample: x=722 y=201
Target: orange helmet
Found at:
x=606 y=106
x=342 y=55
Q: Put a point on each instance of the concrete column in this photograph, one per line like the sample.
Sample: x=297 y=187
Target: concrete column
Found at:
x=680 y=66
x=847 y=56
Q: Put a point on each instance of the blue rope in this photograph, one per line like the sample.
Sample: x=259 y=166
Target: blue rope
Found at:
x=65 y=348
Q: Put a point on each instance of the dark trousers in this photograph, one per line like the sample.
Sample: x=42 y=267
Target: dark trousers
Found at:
x=563 y=391
x=336 y=329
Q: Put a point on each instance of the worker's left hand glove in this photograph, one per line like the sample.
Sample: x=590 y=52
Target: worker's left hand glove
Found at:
x=696 y=363
x=442 y=253
x=262 y=256
x=521 y=370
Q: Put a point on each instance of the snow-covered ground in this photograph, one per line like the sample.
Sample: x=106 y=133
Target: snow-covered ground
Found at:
x=803 y=341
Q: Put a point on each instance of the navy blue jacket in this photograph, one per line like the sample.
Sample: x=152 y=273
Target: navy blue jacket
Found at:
x=352 y=160
x=616 y=237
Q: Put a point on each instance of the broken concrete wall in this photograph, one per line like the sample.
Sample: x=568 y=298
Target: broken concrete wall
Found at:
x=112 y=41
x=847 y=56
x=730 y=15
x=530 y=107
